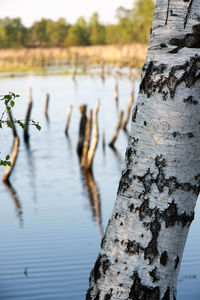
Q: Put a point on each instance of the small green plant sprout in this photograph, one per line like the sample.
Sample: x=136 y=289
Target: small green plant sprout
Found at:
x=7 y=102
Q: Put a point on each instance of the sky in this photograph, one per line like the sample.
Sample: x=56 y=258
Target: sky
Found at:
x=32 y=10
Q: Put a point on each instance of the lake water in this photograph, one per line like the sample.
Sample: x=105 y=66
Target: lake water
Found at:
x=50 y=220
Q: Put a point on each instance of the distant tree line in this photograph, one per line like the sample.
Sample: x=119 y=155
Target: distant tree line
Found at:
x=133 y=26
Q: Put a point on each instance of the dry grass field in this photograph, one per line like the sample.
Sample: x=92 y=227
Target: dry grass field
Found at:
x=24 y=59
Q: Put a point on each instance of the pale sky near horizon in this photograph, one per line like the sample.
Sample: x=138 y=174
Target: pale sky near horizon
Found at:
x=30 y=10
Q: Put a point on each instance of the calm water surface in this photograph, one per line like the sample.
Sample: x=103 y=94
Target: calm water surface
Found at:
x=52 y=218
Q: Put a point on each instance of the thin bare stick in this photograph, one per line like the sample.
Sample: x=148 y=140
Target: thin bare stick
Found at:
x=15 y=150
x=95 y=135
x=28 y=113
x=46 y=107
x=69 y=111
x=130 y=103
x=111 y=144
x=116 y=93
x=103 y=140
x=86 y=140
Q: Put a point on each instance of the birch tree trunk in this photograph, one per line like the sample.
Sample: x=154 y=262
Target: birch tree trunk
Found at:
x=143 y=244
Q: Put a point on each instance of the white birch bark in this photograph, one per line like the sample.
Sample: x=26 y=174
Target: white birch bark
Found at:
x=143 y=244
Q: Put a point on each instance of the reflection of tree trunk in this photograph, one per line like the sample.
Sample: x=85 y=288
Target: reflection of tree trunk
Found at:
x=94 y=196
x=15 y=150
x=16 y=201
x=142 y=248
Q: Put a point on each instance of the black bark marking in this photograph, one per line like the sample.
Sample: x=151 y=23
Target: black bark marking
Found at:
x=163 y=45
x=172 y=13
x=88 y=295
x=145 y=123
x=108 y=295
x=133 y=247
x=190 y=100
x=167 y=12
x=105 y=263
x=144 y=210
x=191 y=73
x=167 y=294
x=148 y=86
x=151 y=251
x=164 y=258
x=161 y=181
x=96 y=270
x=139 y=291
x=176 y=262
x=188 y=12
x=125 y=181
x=190 y=40
x=134 y=114
x=131 y=207
x=97 y=296
x=154 y=275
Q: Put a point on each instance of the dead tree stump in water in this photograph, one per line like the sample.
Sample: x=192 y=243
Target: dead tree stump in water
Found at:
x=111 y=144
x=69 y=111
x=86 y=143
x=28 y=113
x=130 y=103
x=82 y=126
x=15 y=150
x=46 y=107
x=95 y=136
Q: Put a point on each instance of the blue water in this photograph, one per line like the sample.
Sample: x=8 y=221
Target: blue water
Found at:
x=50 y=227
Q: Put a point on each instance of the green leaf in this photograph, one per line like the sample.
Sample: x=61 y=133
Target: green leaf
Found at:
x=9 y=163
x=7 y=157
x=12 y=103
x=8 y=97
x=9 y=124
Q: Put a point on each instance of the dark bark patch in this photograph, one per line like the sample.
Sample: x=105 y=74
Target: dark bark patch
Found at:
x=96 y=274
x=164 y=258
x=105 y=263
x=88 y=295
x=167 y=294
x=139 y=291
x=154 y=275
x=176 y=262
x=131 y=207
x=134 y=114
x=188 y=12
x=144 y=210
x=161 y=181
x=163 y=45
x=190 y=100
x=125 y=181
x=133 y=247
x=190 y=74
x=108 y=295
x=151 y=251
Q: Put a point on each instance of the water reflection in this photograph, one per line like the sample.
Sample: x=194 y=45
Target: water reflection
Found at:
x=118 y=156
x=93 y=196
x=16 y=202
x=32 y=170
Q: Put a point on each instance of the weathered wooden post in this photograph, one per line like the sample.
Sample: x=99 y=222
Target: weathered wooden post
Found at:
x=69 y=111
x=28 y=113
